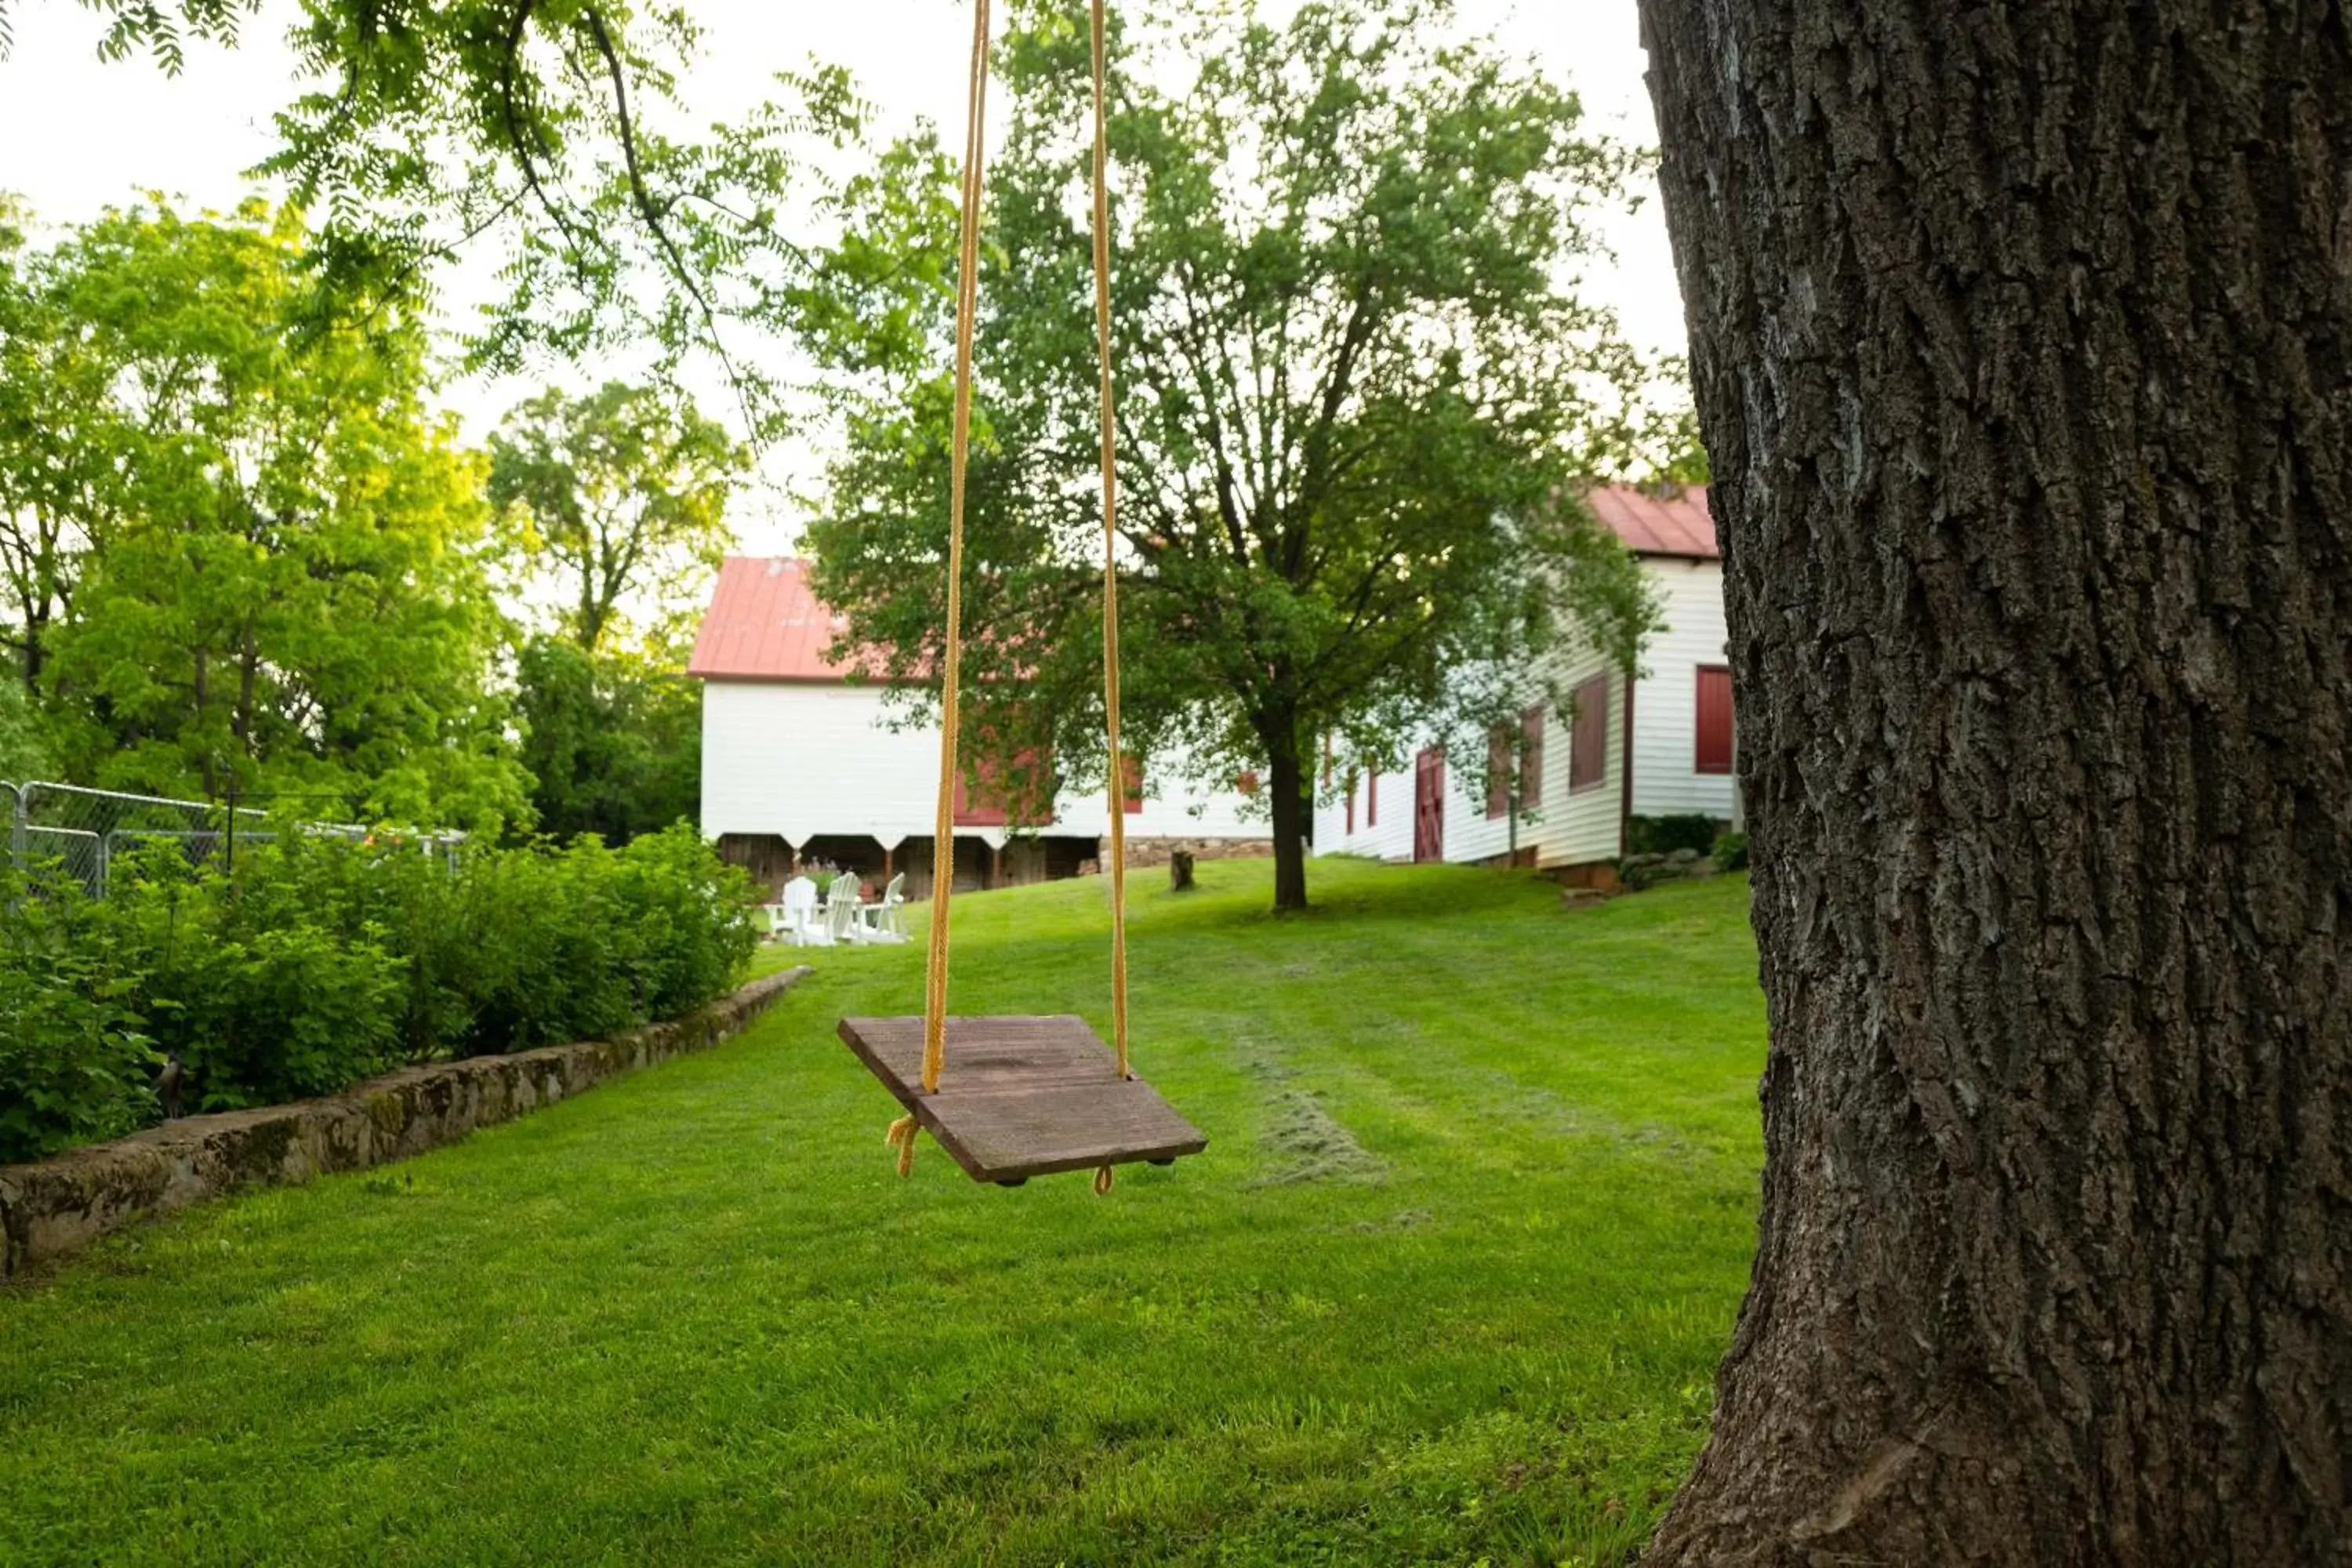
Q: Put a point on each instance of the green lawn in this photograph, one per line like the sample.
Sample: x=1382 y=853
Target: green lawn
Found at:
x=1448 y=1285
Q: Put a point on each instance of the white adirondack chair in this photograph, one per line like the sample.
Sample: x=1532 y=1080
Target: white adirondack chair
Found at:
x=799 y=923
x=882 y=922
x=841 y=923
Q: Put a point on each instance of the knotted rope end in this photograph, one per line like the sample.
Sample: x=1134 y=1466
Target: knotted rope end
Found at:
x=901 y=1137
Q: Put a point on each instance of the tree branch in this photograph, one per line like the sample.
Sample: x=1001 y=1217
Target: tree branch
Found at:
x=652 y=216
x=558 y=214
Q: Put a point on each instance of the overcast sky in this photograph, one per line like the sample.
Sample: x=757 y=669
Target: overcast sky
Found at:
x=78 y=135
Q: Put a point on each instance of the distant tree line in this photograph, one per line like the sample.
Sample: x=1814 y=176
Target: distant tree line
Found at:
x=241 y=553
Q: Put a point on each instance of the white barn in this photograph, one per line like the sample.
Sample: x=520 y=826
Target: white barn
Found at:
x=1660 y=745
x=799 y=764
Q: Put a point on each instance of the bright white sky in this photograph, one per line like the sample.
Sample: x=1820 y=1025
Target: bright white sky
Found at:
x=78 y=135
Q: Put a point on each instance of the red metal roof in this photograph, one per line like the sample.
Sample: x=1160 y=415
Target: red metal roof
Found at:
x=1676 y=523
x=765 y=624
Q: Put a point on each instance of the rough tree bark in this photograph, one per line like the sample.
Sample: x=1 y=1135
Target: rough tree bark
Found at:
x=2022 y=342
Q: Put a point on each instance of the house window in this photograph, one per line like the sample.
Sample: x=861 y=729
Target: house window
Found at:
x=1132 y=766
x=997 y=793
x=1712 y=752
x=972 y=807
x=1531 y=756
x=1498 y=772
x=1588 y=738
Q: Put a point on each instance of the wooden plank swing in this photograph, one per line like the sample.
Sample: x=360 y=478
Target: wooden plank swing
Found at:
x=1024 y=1096
x=1030 y=1094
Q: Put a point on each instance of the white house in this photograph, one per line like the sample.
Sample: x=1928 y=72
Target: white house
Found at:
x=800 y=762
x=1659 y=745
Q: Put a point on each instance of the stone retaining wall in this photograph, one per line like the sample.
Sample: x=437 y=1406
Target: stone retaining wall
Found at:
x=56 y=1207
x=1146 y=852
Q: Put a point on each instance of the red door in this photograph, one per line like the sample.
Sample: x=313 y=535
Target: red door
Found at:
x=1429 y=805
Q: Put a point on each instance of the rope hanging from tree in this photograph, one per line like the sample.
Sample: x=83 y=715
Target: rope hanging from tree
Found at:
x=904 y=1132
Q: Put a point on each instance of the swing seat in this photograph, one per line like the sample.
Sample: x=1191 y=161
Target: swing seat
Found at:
x=1025 y=1097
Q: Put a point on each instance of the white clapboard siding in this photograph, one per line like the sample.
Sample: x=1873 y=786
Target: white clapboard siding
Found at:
x=1390 y=838
x=1561 y=828
x=1674 y=540
x=1470 y=833
x=1566 y=827
x=802 y=759
x=1575 y=826
x=1666 y=709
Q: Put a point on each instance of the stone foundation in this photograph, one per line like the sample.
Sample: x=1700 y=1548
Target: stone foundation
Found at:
x=1155 y=851
x=56 y=1207
x=1600 y=876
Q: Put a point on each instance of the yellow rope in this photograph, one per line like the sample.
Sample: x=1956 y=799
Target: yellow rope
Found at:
x=1116 y=788
x=904 y=1132
x=901 y=1137
x=935 y=1006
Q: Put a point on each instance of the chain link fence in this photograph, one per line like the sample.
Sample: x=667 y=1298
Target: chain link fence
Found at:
x=87 y=831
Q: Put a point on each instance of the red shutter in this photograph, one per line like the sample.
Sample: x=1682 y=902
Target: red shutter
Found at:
x=1714 y=748
x=1429 y=804
x=1132 y=765
x=1372 y=798
x=975 y=812
x=1588 y=738
x=1531 y=758
x=993 y=793
x=1352 y=808
x=1498 y=772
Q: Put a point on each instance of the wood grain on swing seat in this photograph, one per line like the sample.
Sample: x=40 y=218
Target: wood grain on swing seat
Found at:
x=1022 y=1097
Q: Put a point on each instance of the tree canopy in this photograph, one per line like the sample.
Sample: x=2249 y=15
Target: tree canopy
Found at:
x=244 y=554
x=613 y=741
x=1358 y=395
x=618 y=496
x=546 y=138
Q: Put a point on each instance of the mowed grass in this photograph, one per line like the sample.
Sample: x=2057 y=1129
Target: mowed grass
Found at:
x=1448 y=1286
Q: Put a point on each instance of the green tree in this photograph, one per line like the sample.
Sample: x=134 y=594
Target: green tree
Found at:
x=544 y=137
x=65 y=440
x=289 y=591
x=613 y=741
x=617 y=496
x=1356 y=396
x=24 y=738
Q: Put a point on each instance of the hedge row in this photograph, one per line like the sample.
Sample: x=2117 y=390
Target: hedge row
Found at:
x=318 y=960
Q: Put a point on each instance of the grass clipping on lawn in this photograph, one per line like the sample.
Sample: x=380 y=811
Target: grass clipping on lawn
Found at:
x=1449 y=1283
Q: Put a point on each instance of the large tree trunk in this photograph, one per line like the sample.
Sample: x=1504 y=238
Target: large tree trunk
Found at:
x=2022 y=342
x=1286 y=783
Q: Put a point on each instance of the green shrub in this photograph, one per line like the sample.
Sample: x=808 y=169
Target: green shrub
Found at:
x=74 y=1065
x=541 y=946
x=271 y=983
x=538 y=949
x=1665 y=835
x=411 y=897
x=320 y=960
x=693 y=912
x=1731 y=851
